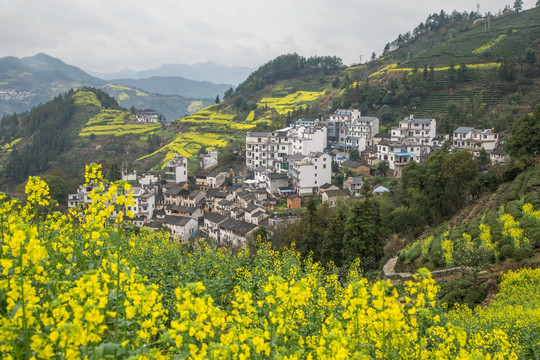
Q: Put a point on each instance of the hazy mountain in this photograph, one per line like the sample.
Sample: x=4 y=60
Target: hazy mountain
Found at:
x=177 y=85
x=43 y=63
x=207 y=71
x=30 y=81
x=120 y=74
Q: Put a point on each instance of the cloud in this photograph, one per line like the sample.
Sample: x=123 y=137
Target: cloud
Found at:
x=109 y=35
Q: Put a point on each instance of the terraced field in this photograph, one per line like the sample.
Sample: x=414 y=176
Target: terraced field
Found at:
x=283 y=105
x=211 y=118
x=115 y=123
x=188 y=144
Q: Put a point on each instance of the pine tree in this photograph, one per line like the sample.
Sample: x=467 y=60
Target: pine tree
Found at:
x=361 y=239
x=333 y=238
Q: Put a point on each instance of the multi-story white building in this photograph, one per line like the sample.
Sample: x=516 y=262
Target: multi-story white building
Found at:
x=271 y=149
x=148 y=116
x=306 y=139
x=421 y=131
x=260 y=149
x=177 y=170
x=309 y=172
x=397 y=155
x=81 y=196
x=145 y=204
x=349 y=127
x=474 y=140
x=209 y=159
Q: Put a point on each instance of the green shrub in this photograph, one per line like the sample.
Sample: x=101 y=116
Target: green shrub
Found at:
x=523 y=253
x=507 y=252
x=475 y=296
x=435 y=255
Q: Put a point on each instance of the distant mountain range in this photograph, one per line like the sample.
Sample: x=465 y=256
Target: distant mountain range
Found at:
x=29 y=81
x=207 y=71
x=176 y=85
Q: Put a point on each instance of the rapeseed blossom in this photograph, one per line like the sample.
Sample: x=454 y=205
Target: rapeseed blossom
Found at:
x=81 y=286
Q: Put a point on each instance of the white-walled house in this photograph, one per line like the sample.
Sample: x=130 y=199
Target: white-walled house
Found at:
x=275 y=181
x=126 y=176
x=410 y=129
x=209 y=159
x=498 y=156
x=353 y=184
x=364 y=128
x=181 y=227
x=177 y=169
x=271 y=149
x=148 y=116
x=211 y=223
x=332 y=197
x=474 y=140
x=261 y=149
x=81 y=196
x=310 y=172
x=349 y=127
x=235 y=233
x=306 y=139
x=398 y=155
x=148 y=179
x=145 y=204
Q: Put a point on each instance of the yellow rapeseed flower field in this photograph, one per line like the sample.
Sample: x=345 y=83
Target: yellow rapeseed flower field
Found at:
x=83 y=285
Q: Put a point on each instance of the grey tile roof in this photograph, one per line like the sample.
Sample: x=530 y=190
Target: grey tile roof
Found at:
x=463 y=130
x=176 y=220
x=339 y=192
x=215 y=217
x=237 y=227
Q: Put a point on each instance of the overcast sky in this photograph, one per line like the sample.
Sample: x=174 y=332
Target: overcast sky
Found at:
x=110 y=35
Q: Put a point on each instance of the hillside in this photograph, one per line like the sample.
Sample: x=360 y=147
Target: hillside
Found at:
x=489 y=80
x=460 y=73
x=30 y=81
x=71 y=131
x=476 y=92
x=497 y=232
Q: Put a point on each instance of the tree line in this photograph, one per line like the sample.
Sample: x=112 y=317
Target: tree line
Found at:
x=338 y=234
x=433 y=22
x=285 y=67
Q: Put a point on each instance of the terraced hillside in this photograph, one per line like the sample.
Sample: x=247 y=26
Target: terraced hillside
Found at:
x=505 y=223
x=73 y=130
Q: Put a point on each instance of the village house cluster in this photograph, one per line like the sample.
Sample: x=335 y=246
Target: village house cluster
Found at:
x=285 y=165
x=304 y=151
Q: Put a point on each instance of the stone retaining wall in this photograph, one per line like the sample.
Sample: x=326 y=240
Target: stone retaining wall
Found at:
x=389 y=271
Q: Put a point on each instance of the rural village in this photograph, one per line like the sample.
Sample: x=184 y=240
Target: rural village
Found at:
x=284 y=166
